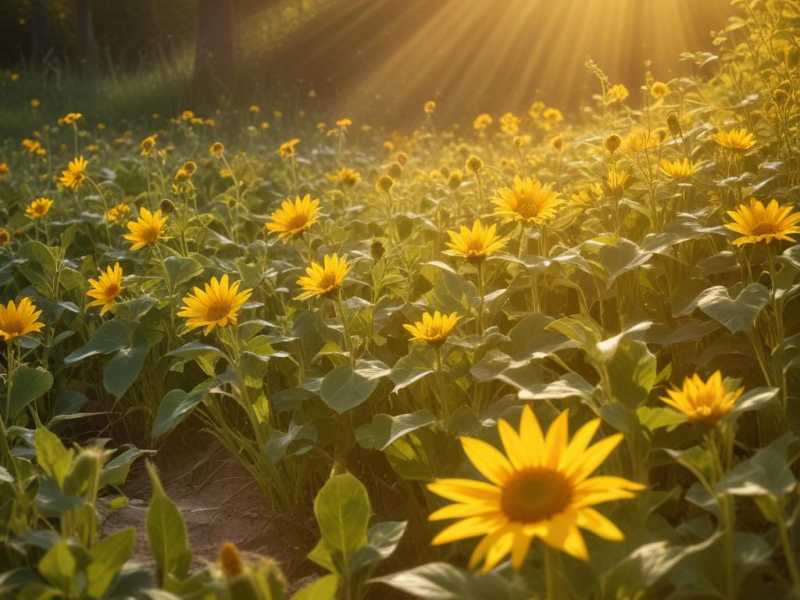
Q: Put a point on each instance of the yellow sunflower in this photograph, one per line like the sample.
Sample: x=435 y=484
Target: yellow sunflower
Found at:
x=541 y=487
x=758 y=223
x=75 y=174
x=5 y=236
x=679 y=169
x=323 y=279
x=105 y=289
x=433 y=328
x=294 y=217
x=617 y=181
x=527 y=200
x=476 y=243
x=736 y=140
x=345 y=176
x=39 y=208
x=148 y=144
x=703 y=401
x=19 y=319
x=117 y=212
x=146 y=230
x=287 y=149
x=216 y=306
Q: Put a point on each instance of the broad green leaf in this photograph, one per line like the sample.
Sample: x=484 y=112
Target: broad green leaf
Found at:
x=768 y=472
x=323 y=588
x=385 y=429
x=175 y=406
x=58 y=566
x=530 y=339
x=108 y=556
x=383 y=539
x=110 y=336
x=342 y=510
x=27 y=385
x=166 y=531
x=181 y=269
x=632 y=373
x=442 y=581
x=570 y=386
x=413 y=367
x=51 y=455
x=123 y=369
x=755 y=399
x=345 y=388
x=738 y=314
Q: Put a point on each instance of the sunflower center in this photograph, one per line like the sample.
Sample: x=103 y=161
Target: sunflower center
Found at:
x=535 y=494
x=218 y=311
x=112 y=289
x=528 y=206
x=327 y=281
x=13 y=326
x=475 y=246
x=150 y=234
x=298 y=221
x=765 y=229
x=39 y=209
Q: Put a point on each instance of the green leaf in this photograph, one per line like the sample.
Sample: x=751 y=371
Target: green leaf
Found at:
x=735 y=315
x=345 y=388
x=51 y=455
x=632 y=373
x=620 y=258
x=58 y=566
x=109 y=337
x=115 y=471
x=766 y=473
x=442 y=581
x=193 y=349
x=409 y=369
x=123 y=369
x=755 y=399
x=571 y=385
x=181 y=269
x=530 y=339
x=166 y=531
x=323 y=588
x=109 y=555
x=175 y=406
x=27 y=385
x=385 y=429
x=342 y=510
x=383 y=539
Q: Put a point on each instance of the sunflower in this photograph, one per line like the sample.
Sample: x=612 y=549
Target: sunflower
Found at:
x=294 y=217
x=434 y=328
x=217 y=149
x=106 y=288
x=429 y=107
x=148 y=144
x=617 y=181
x=345 y=176
x=736 y=140
x=19 y=319
x=287 y=149
x=527 y=200
x=476 y=243
x=482 y=121
x=75 y=174
x=146 y=230
x=541 y=487
x=659 y=89
x=117 y=212
x=703 y=401
x=216 y=306
x=5 y=236
x=758 y=223
x=679 y=169
x=324 y=279
x=39 y=208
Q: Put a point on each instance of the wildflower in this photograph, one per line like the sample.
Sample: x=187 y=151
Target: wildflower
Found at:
x=146 y=230
x=117 y=212
x=5 y=236
x=509 y=124
x=401 y=158
x=294 y=217
x=433 y=328
x=264 y=125
x=552 y=115
x=617 y=182
x=679 y=169
x=71 y=118
x=39 y=208
x=616 y=93
x=287 y=149
x=641 y=140
x=215 y=306
x=324 y=279
x=658 y=90
x=254 y=109
x=187 y=115
x=612 y=143
x=476 y=243
x=474 y=164
x=19 y=319
x=536 y=109
x=384 y=184
x=456 y=179
x=106 y=288
x=482 y=122
x=540 y=487
x=736 y=140
x=75 y=174
x=429 y=107
x=343 y=124
x=186 y=171
x=217 y=149
x=148 y=144
x=345 y=176
x=33 y=146
x=527 y=200
x=758 y=223
x=703 y=401
x=35 y=103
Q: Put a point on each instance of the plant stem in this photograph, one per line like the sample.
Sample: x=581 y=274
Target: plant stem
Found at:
x=551 y=573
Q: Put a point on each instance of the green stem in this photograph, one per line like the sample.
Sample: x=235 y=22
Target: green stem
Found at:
x=345 y=330
x=551 y=573
x=788 y=553
x=482 y=293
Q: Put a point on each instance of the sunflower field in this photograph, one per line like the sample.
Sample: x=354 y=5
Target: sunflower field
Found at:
x=537 y=355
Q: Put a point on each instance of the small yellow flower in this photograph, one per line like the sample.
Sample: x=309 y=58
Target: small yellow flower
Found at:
x=527 y=200
x=703 y=401
x=3 y=168
x=264 y=125
x=216 y=306
x=19 y=319
x=433 y=328
x=429 y=107
x=758 y=223
x=344 y=123
x=616 y=93
x=71 y=118
x=642 y=140
x=482 y=122
x=509 y=124
x=106 y=289
x=476 y=243
x=294 y=217
x=187 y=115
x=540 y=487
x=680 y=169
x=287 y=149
x=148 y=144
x=735 y=140
x=323 y=279
x=75 y=174
x=5 y=236
x=33 y=146
x=255 y=109
x=146 y=230
x=35 y=103
x=217 y=149
x=659 y=89
x=39 y=208
x=345 y=176
x=552 y=115
x=617 y=182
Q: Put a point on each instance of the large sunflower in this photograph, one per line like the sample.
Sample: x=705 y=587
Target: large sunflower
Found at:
x=39 y=208
x=476 y=243
x=18 y=319
x=294 y=217
x=75 y=174
x=758 y=223
x=540 y=488
x=527 y=200
x=323 y=279
x=145 y=230
x=433 y=328
x=703 y=401
x=105 y=289
x=216 y=306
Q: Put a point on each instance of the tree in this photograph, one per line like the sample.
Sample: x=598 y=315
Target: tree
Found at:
x=214 y=60
x=40 y=44
x=87 y=43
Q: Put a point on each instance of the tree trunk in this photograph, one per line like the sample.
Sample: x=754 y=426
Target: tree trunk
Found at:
x=87 y=43
x=214 y=60
x=40 y=42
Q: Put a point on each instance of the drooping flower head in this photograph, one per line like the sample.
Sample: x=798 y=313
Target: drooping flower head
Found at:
x=541 y=487
x=703 y=401
x=294 y=217
x=39 y=208
x=146 y=230
x=217 y=305
x=763 y=224
x=75 y=174
x=323 y=279
x=476 y=243
x=433 y=328
x=528 y=201
x=106 y=289
x=18 y=319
